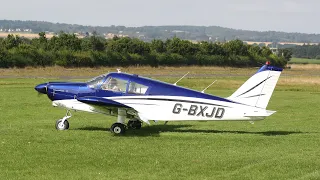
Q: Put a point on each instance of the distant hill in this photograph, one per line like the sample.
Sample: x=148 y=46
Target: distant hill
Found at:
x=147 y=33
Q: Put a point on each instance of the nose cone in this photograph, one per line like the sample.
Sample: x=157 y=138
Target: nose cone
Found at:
x=41 y=88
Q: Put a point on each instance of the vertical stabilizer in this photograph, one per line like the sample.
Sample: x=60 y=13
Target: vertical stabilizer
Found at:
x=257 y=90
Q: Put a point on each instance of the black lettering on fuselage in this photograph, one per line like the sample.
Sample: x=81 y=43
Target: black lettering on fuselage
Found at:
x=193 y=110
x=201 y=112
x=212 y=113
x=177 y=108
x=220 y=113
x=198 y=110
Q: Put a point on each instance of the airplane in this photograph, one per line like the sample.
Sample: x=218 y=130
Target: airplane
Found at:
x=142 y=99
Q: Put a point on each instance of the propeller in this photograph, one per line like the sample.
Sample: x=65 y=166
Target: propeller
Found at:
x=42 y=88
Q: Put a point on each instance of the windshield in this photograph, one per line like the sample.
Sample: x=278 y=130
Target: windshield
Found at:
x=96 y=81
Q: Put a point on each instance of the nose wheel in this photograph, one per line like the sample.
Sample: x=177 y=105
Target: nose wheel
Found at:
x=63 y=124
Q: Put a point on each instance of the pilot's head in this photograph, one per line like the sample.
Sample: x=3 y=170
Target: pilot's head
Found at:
x=113 y=82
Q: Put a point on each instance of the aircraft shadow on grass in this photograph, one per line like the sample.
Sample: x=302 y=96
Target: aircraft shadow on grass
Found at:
x=158 y=129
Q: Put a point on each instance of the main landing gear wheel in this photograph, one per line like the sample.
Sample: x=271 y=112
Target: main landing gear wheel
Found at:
x=62 y=125
x=118 y=128
x=134 y=124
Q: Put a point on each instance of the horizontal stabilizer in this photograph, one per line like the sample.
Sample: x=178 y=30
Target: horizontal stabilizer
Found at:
x=260 y=114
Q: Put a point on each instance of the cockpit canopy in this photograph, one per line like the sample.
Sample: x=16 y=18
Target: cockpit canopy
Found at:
x=114 y=84
x=117 y=84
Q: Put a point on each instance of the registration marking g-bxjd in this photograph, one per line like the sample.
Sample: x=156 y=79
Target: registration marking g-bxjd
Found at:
x=199 y=110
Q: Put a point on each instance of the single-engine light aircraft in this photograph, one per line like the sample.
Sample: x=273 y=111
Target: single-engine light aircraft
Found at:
x=142 y=99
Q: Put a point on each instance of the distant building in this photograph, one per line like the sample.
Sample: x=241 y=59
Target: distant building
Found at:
x=280 y=43
x=274 y=50
x=142 y=37
x=110 y=36
x=27 y=30
x=178 y=31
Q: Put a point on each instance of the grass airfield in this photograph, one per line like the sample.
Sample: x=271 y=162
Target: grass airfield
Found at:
x=286 y=145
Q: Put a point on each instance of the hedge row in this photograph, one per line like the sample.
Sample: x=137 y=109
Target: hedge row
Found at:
x=21 y=58
x=70 y=51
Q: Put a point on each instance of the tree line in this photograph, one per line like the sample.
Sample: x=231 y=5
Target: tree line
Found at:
x=148 y=33
x=70 y=51
x=306 y=51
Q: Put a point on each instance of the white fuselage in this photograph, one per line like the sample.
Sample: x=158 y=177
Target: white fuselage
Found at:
x=175 y=108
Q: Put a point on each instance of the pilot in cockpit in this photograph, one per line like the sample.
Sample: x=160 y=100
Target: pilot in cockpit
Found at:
x=114 y=85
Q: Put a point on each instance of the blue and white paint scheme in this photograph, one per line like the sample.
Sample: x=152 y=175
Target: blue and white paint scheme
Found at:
x=142 y=99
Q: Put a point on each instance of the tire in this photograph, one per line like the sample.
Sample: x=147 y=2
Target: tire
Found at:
x=137 y=124
x=62 y=126
x=130 y=124
x=134 y=124
x=118 y=128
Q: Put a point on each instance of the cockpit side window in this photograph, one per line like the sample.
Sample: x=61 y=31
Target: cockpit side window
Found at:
x=135 y=88
x=114 y=84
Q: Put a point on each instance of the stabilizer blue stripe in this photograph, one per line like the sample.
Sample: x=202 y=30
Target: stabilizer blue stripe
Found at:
x=269 y=68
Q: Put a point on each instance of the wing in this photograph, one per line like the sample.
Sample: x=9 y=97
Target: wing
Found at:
x=104 y=102
x=90 y=104
x=99 y=101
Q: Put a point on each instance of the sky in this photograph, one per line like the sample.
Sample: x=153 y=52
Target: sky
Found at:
x=261 y=15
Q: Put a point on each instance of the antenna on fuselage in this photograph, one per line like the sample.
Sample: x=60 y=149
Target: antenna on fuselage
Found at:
x=180 y=79
x=208 y=86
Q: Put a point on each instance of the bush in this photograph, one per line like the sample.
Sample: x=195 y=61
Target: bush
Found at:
x=19 y=60
x=99 y=58
x=64 y=58
x=136 y=59
x=83 y=59
x=152 y=59
x=209 y=60
x=5 y=62
x=44 y=58
x=177 y=59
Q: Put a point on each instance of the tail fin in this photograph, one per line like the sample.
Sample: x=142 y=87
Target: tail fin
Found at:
x=257 y=90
